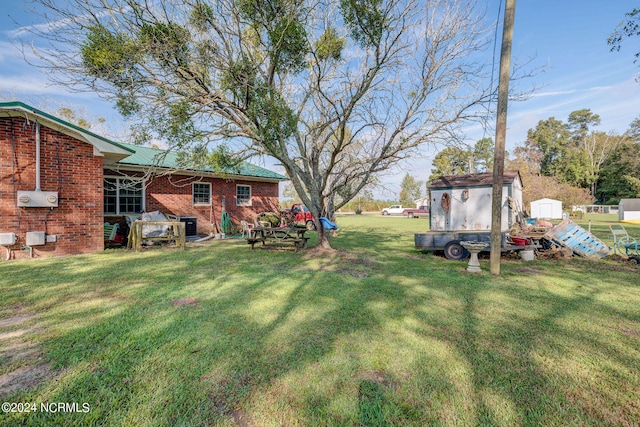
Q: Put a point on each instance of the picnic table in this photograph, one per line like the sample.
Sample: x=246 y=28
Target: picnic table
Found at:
x=275 y=236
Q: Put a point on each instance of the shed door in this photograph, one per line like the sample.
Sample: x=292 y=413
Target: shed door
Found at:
x=546 y=210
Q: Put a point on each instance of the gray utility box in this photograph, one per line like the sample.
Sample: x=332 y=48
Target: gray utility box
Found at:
x=35 y=238
x=37 y=199
x=7 y=239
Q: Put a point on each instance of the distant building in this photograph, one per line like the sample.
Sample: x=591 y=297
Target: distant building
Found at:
x=546 y=209
x=423 y=201
x=629 y=209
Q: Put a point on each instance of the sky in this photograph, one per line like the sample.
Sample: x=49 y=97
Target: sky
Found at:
x=566 y=40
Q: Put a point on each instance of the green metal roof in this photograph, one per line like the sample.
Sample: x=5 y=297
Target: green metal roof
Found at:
x=137 y=155
x=154 y=157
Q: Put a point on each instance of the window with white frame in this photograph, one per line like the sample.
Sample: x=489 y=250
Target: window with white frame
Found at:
x=243 y=195
x=123 y=195
x=202 y=193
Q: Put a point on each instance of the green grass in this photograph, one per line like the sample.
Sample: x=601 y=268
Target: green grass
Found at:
x=376 y=335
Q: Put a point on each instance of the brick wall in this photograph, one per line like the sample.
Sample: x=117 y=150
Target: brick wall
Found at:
x=173 y=194
x=69 y=167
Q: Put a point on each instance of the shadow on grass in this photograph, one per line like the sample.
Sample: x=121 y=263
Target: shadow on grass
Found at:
x=137 y=359
x=510 y=361
x=276 y=338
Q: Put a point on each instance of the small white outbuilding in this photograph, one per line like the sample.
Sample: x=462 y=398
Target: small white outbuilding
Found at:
x=546 y=209
x=629 y=210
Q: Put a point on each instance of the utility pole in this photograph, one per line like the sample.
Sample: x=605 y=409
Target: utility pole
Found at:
x=501 y=134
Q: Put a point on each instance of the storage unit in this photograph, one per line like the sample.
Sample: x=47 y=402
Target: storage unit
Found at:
x=191 y=225
x=546 y=209
x=629 y=210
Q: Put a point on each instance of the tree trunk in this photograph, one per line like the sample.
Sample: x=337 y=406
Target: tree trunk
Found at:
x=318 y=205
x=324 y=236
x=324 y=239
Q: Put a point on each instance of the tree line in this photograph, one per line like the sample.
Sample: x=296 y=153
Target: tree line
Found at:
x=603 y=164
x=566 y=160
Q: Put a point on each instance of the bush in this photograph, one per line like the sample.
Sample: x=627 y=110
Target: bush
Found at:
x=270 y=217
x=577 y=214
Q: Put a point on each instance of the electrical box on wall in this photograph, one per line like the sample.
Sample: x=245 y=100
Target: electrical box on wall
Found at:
x=7 y=239
x=35 y=238
x=38 y=199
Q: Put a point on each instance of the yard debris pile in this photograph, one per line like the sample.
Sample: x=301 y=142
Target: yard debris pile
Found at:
x=562 y=240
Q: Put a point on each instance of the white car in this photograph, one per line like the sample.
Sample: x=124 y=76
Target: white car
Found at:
x=393 y=210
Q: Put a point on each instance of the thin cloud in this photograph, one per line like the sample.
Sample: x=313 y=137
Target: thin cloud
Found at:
x=29 y=84
x=8 y=52
x=37 y=84
x=46 y=28
x=49 y=27
x=556 y=93
x=572 y=91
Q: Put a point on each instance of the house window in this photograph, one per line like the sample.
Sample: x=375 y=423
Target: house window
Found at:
x=201 y=193
x=123 y=195
x=243 y=195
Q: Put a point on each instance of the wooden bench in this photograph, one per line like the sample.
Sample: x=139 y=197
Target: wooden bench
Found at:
x=300 y=243
x=177 y=233
x=253 y=241
x=278 y=236
x=297 y=243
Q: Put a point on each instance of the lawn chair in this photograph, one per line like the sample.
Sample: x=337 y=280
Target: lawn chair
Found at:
x=622 y=242
x=246 y=228
x=110 y=232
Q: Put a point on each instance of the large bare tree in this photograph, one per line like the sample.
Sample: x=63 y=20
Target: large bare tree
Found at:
x=336 y=90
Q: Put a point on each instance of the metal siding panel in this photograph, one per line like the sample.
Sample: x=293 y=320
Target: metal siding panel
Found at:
x=424 y=241
x=438 y=215
x=441 y=239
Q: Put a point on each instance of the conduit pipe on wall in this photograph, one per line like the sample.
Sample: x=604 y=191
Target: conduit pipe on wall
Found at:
x=37 y=198
x=37 y=155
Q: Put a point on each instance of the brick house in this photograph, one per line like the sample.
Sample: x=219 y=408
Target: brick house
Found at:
x=59 y=182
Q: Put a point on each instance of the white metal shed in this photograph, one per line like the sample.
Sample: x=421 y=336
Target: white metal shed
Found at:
x=629 y=209
x=546 y=209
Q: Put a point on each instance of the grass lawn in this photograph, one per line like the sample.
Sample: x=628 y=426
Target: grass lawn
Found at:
x=377 y=335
